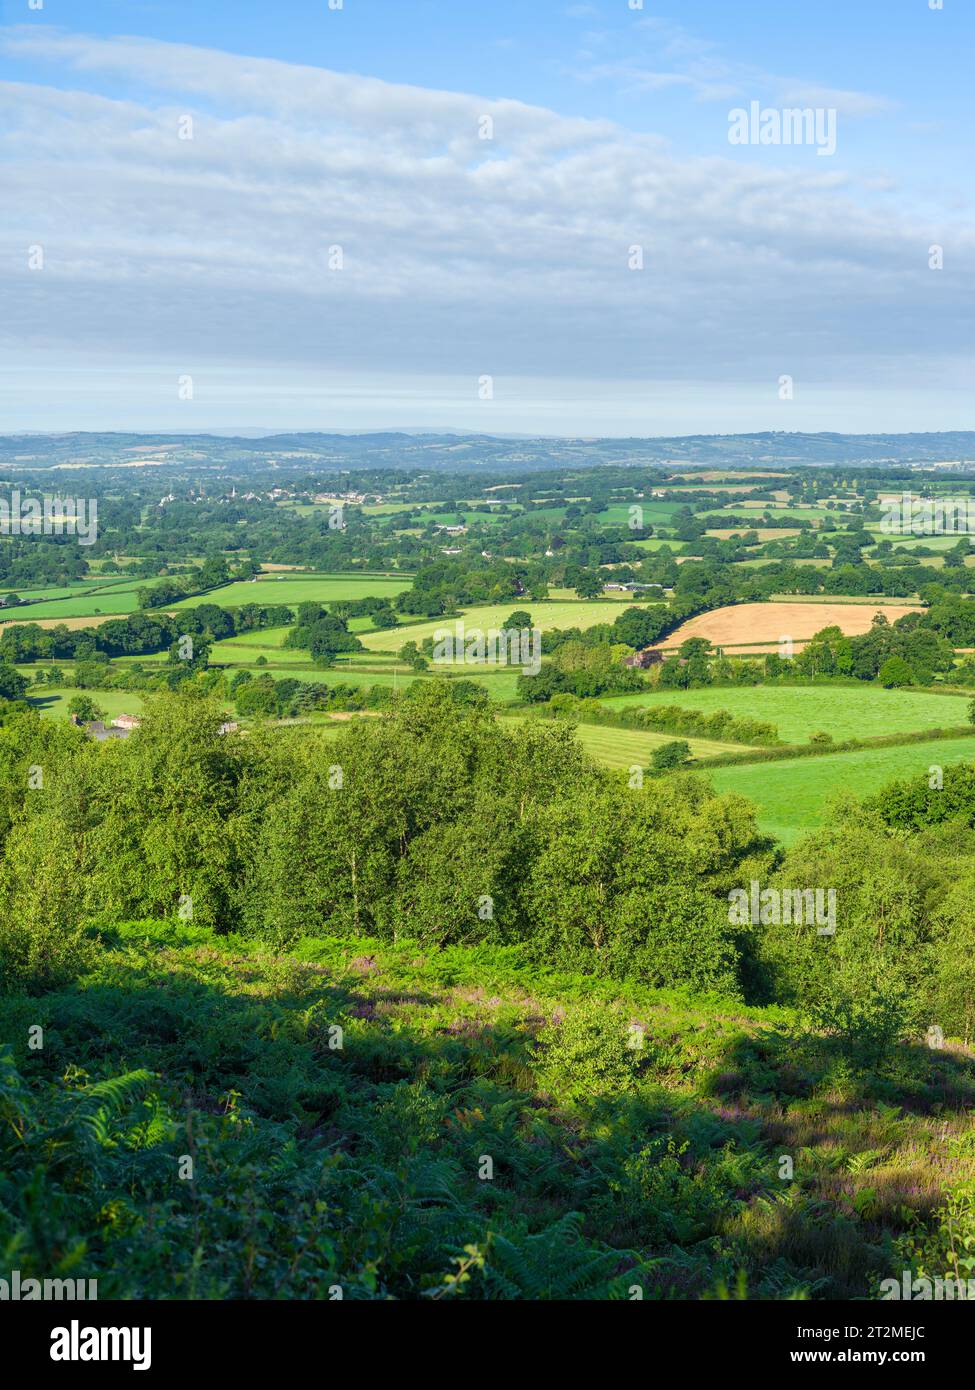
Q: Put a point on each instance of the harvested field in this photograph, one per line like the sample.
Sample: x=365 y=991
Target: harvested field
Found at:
x=95 y=620
x=751 y=624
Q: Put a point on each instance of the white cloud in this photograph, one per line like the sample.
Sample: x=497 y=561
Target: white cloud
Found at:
x=462 y=256
x=665 y=54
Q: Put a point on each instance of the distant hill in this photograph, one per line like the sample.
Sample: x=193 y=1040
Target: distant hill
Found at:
x=436 y=451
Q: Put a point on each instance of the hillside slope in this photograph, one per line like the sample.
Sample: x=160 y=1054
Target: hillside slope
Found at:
x=207 y=1119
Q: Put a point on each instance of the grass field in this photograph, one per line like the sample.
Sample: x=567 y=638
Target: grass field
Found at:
x=658 y=542
x=911 y=542
x=626 y=748
x=656 y=513
x=83 y=600
x=83 y=586
x=364 y=670
x=792 y=796
x=53 y=704
x=549 y=615
x=799 y=711
x=764 y=533
x=761 y=560
x=295 y=589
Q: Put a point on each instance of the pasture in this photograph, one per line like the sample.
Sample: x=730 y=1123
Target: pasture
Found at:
x=800 y=711
x=793 y=796
x=293 y=589
x=547 y=616
x=53 y=704
x=764 y=533
x=104 y=598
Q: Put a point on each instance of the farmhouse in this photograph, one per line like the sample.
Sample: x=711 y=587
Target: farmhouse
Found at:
x=641 y=660
x=120 y=727
x=101 y=731
x=633 y=588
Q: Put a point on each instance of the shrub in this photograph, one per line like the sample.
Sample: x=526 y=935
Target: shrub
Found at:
x=670 y=755
x=589 y=1053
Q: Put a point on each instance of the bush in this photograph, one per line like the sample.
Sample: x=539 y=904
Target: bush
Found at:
x=670 y=755
x=588 y=1053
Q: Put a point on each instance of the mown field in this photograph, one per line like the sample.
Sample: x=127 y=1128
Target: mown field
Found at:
x=72 y=624
x=548 y=615
x=800 y=711
x=793 y=796
x=627 y=748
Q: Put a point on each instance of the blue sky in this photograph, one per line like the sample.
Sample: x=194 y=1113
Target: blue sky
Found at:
x=174 y=175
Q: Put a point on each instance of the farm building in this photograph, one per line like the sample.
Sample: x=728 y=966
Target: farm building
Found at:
x=641 y=660
x=120 y=727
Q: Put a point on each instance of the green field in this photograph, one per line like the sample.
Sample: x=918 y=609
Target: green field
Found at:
x=658 y=542
x=260 y=640
x=53 y=704
x=389 y=508
x=653 y=513
x=83 y=586
x=793 y=795
x=295 y=589
x=361 y=669
x=236 y=653
x=800 y=711
x=626 y=748
x=81 y=601
x=784 y=516
x=911 y=542
x=548 y=615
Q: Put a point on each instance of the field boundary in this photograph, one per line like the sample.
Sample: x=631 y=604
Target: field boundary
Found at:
x=854 y=745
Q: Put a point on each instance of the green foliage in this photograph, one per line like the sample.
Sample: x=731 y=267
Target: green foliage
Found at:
x=895 y=672
x=670 y=755
x=84 y=709
x=619 y=1159
x=587 y=1054
x=436 y=821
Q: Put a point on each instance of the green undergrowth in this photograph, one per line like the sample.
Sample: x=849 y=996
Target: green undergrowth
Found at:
x=208 y=1119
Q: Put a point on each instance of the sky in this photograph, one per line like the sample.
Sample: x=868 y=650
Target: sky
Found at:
x=503 y=216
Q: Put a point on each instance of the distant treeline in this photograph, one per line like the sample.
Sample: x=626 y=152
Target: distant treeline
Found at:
x=138 y=634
